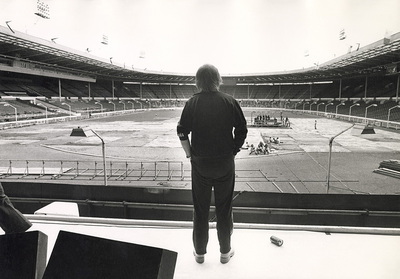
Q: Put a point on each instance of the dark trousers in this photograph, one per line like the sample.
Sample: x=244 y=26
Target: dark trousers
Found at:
x=207 y=174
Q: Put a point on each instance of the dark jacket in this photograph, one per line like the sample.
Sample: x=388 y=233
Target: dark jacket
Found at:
x=216 y=123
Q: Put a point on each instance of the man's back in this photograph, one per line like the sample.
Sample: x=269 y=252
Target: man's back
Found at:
x=211 y=117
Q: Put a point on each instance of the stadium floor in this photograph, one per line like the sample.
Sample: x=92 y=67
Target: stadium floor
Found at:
x=298 y=164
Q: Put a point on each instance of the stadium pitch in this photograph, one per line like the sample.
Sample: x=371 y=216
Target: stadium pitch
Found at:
x=298 y=164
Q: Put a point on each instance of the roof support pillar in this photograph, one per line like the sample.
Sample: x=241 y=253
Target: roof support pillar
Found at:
x=397 y=90
x=279 y=92
x=366 y=87
x=340 y=89
x=59 y=89
x=113 y=89
x=89 y=93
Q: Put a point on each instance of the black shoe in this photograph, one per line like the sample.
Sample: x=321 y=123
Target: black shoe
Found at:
x=199 y=258
x=225 y=258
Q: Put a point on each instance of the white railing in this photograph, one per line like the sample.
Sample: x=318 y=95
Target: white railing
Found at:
x=30 y=122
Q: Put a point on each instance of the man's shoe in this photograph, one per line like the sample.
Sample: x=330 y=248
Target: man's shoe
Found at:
x=199 y=258
x=226 y=257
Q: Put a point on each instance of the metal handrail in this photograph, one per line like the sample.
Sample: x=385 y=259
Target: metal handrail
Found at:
x=75 y=169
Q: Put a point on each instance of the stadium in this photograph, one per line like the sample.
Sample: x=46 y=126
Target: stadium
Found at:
x=89 y=153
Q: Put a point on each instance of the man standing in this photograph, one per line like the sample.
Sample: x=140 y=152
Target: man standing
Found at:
x=218 y=130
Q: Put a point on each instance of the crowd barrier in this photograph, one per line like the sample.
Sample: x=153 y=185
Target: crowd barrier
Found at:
x=80 y=116
x=348 y=118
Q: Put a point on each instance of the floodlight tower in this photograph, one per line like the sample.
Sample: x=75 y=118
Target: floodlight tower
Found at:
x=9 y=27
x=43 y=9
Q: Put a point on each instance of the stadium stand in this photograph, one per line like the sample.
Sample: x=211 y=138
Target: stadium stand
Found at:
x=368 y=76
x=383 y=87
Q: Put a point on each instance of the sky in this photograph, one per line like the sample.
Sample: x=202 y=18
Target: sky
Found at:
x=237 y=36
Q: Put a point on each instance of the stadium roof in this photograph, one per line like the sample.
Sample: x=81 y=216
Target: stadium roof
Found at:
x=22 y=53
